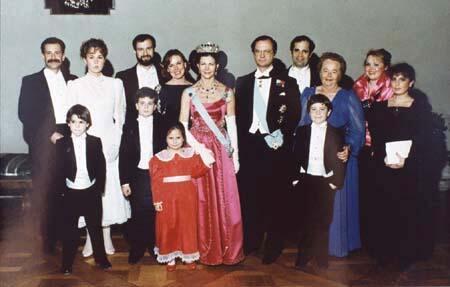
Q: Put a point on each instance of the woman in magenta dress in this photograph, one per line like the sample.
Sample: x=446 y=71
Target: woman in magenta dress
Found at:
x=220 y=225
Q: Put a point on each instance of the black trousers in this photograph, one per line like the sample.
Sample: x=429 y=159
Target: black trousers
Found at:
x=141 y=226
x=264 y=191
x=316 y=200
x=87 y=203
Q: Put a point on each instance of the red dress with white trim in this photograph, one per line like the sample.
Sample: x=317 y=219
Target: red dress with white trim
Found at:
x=172 y=177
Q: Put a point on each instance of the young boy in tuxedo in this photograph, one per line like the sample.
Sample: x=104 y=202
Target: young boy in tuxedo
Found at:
x=316 y=175
x=141 y=139
x=81 y=168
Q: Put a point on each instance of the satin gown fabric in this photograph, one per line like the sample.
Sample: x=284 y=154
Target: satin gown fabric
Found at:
x=347 y=114
x=176 y=224
x=220 y=225
x=105 y=99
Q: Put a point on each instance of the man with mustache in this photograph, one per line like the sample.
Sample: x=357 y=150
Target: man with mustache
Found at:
x=42 y=111
x=146 y=73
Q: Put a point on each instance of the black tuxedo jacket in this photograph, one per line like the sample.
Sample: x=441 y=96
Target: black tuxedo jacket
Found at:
x=130 y=146
x=131 y=85
x=315 y=78
x=283 y=109
x=334 y=142
x=36 y=109
x=95 y=160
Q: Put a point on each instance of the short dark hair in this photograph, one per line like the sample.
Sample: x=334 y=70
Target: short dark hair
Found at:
x=146 y=92
x=334 y=57
x=166 y=62
x=302 y=38
x=178 y=126
x=404 y=69
x=319 y=98
x=383 y=54
x=141 y=38
x=265 y=38
x=53 y=40
x=81 y=112
x=96 y=44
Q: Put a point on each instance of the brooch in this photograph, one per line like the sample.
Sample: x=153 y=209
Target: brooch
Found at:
x=280 y=83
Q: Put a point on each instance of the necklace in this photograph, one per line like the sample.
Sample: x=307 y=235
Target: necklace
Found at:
x=208 y=91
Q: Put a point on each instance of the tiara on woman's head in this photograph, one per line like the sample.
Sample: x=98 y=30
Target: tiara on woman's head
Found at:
x=207 y=47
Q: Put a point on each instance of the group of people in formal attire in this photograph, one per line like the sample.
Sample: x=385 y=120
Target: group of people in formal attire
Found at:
x=200 y=171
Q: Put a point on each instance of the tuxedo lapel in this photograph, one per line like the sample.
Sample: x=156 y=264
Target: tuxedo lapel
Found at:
x=157 y=133
x=136 y=138
x=134 y=82
x=329 y=152
x=328 y=143
x=251 y=93
x=72 y=164
x=45 y=91
x=307 y=145
x=90 y=154
x=270 y=102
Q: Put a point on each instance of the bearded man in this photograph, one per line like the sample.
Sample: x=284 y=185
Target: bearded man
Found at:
x=144 y=74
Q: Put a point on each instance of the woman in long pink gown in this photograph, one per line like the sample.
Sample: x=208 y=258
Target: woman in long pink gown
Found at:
x=220 y=225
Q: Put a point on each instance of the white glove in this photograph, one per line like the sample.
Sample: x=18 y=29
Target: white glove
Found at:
x=206 y=154
x=232 y=133
x=191 y=140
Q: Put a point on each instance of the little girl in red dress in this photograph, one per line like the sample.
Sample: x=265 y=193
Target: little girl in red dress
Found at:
x=175 y=199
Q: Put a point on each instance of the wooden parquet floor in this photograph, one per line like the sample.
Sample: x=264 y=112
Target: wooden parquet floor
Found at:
x=21 y=265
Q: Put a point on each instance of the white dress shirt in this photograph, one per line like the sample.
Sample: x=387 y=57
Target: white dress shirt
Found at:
x=147 y=77
x=302 y=76
x=316 y=149
x=145 y=140
x=82 y=180
x=263 y=86
x=58 y=89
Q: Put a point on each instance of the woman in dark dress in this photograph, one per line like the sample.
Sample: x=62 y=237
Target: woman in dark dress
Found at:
x=400 y=186
x=175 y=70
x=374 y=85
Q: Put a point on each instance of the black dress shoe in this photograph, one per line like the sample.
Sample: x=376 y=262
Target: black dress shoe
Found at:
x=66 y=270
x=134 y=258
x=105 y=265
x=301 y=261
x=151 y=251
x=270 y=258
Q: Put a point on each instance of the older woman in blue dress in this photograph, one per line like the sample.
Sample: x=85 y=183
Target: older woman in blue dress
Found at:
x=348 y=115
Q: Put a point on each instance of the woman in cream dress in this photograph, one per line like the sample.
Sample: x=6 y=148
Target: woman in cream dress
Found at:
x=105 y=99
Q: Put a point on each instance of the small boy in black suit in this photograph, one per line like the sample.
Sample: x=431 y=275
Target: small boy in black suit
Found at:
x=81 y=168
x=316 y=175
x=141 y=139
